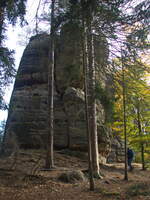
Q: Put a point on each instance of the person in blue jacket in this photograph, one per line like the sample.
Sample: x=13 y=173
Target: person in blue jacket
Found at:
x=130 y=156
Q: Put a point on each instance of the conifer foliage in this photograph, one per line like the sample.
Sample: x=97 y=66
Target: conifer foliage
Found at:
x=10 y=11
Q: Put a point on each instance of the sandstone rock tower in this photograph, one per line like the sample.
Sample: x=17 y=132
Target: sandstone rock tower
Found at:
x=28 y=112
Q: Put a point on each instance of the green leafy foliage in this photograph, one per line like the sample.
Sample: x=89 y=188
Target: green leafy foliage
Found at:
x=137 y=104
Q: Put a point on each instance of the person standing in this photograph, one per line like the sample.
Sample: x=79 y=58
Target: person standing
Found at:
x=130 y=156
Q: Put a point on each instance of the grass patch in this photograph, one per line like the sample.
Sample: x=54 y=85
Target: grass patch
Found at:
x=138 y=189
x=104 y=192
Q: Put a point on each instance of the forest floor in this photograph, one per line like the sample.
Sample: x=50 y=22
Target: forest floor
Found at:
x=22 y=178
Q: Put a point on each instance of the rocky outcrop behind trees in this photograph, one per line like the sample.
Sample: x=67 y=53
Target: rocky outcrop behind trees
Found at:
x=28 y=112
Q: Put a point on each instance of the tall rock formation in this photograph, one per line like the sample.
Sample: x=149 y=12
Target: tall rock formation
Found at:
x=27 y=115
x=28 y=112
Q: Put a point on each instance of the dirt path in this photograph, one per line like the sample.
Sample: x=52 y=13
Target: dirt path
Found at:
x=25 y=180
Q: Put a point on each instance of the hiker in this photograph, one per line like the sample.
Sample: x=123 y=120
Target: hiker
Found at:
x=130 y=156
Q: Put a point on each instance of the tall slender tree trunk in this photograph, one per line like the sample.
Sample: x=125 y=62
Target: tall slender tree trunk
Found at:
x=140 y=134
x=1 y=23
x=142 y=157
x=91 y=97
x=50 y=154
x=36 y=17
x=124 y=121
x=85 y=69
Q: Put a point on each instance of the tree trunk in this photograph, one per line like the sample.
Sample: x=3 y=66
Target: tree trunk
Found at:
x=142 y=157
x=49 y=155
x=85 y=71
x=124 y=122
x=140 y=134
x=91 y=97
x=1 y=23
x=36 y=17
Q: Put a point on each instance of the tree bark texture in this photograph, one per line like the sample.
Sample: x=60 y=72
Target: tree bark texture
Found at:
x=85 y=71
x=124 y=121
x=140 y=134
x=91 y=97
x=50 y=153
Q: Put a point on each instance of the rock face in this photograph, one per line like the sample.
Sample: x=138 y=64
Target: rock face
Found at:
x=117 y=150
x=28 y=112
x=27 y=116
